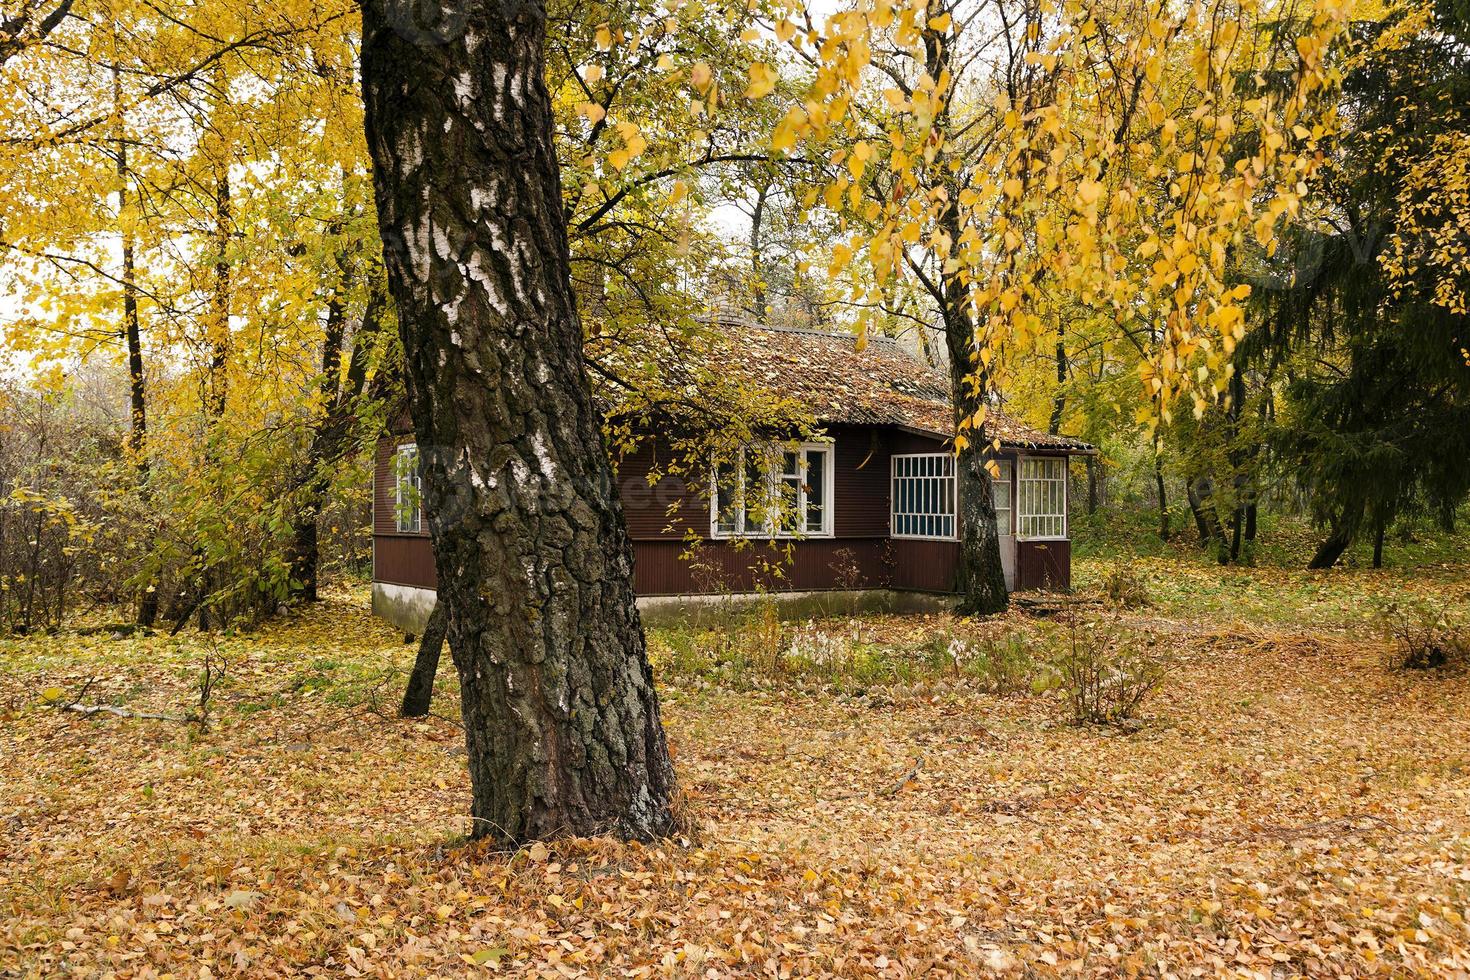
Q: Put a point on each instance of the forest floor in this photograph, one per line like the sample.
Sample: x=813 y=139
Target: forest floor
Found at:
x=1287 y=803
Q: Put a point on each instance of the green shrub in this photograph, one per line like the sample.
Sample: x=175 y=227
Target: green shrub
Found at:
x=1423 y=637
x=1126 y=586
x=1105 y=679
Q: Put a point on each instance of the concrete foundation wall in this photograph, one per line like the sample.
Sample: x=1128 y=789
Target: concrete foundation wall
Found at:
x=408 y=608
x=405 y=606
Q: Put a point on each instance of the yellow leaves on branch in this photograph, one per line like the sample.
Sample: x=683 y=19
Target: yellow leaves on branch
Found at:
x=633 y=146
x=1135 y=207
x=762 y=80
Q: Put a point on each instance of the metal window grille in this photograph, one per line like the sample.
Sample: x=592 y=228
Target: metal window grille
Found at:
x=923 y=496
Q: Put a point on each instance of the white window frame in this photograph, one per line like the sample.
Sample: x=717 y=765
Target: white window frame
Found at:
x=771 y=481
x=405 y=474
x=931 y=489
x=1050 y=492
x=1005 y=477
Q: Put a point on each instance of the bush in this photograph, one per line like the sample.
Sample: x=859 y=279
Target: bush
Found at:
x=1126 y=587
x=1104 y=679
x=1423 y=637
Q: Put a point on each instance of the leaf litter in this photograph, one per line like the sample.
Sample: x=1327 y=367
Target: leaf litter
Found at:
x=1290 y=808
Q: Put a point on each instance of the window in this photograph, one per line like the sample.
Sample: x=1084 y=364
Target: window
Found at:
x=781 y=491
x=923 y=496
x=1043 y=492
x=1000 y=493
x=407 y=489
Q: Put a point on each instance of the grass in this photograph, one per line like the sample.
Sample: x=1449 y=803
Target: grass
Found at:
x=873 y=796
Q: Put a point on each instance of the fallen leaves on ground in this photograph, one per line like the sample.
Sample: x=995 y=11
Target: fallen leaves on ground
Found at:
x=1290 y=807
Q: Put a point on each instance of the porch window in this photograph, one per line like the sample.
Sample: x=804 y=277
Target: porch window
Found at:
x=1000 y=493
x=773 y=491
x=407 y=490
x=923 y=496
x=1043 y=492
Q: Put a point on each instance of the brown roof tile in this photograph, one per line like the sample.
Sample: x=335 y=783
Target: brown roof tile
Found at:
x=882 y=384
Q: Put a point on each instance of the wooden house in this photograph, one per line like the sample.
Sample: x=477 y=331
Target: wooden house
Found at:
x=871 y=497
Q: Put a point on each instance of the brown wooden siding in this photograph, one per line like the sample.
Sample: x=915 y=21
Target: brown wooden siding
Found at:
x=662 y=516
x=717 y=567
x=925 y=566
x=1043 y=565
x=404 y=559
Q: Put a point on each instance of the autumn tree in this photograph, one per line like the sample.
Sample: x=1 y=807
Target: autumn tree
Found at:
x=1365 y=309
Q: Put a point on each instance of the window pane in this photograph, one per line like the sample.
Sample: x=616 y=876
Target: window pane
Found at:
x=816 y=489
x=727 y=506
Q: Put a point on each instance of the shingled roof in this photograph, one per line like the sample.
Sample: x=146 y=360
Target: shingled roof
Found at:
x=881 y=384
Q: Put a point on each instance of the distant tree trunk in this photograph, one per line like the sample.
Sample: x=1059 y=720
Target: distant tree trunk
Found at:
x=1197 y=508
x=1091 y=485
x=757 y=267
x=132 y=334
x=331 y=437
x=1059 y=400
x=1344 y=530
x=420 y=691
x=1378 y=529
x=534 y=563
x=219 y=304
x=1164 y=530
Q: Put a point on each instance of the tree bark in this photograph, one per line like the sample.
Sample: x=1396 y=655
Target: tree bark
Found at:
x=534 y=563
x=1344 y=530
x=1197 y=508
x=757 y=265
x=982 y=583
x=132 y=335
x=420 y=691
x=1059 y=400
x=1164 y=530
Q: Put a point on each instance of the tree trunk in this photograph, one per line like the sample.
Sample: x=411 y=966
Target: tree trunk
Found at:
x=1332 y=548
x=1091 y=485
x=133 y=340
x=1344 y=529
x=1163 y=495
x=535 y=567
x=420 y=691
x=981 y=578
x=982 y=583
x=757 y=265
x=1059 y=400
x=1378 y=529
x=1197 y=508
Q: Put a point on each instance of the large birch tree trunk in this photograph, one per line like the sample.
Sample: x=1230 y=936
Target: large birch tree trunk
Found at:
x=535 y=567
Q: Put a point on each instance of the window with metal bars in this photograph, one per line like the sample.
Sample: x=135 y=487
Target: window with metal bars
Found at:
x=923 y=503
